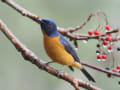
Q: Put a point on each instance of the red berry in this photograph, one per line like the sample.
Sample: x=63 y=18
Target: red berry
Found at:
x=118 y=67
x=109 y=47
x=114 y=70
x=107 y=27
x=108 y=38
x=97 y=32
x=90 y=32
x=105 y=42
x=99 y=57
x=104 y=56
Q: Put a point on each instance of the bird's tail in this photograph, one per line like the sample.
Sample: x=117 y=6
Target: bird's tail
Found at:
x=85 y=72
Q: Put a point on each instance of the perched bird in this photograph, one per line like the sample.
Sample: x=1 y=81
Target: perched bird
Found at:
x=59 y=49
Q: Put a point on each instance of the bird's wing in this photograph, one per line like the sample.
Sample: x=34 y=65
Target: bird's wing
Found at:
x=69 y=48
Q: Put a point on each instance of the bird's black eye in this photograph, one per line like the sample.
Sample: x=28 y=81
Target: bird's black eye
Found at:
x=47 y=22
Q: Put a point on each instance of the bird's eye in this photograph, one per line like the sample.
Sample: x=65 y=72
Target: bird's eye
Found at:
x=47 y=22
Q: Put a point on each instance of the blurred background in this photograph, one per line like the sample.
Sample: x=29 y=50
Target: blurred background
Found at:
x=18 y=74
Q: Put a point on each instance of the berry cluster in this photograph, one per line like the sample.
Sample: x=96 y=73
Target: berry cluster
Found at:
x=102 y=56
x=117 y=69
x=105 y=46
x=96 y=32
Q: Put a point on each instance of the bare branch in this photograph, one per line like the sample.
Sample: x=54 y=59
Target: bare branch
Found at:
x=68 y=32
x=21 y=10
x=101 y=69
x=30 y=56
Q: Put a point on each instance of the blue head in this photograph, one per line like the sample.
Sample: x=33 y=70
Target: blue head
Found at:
x=49 y=27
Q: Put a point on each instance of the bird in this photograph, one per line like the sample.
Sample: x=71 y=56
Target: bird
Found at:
x=59 y=49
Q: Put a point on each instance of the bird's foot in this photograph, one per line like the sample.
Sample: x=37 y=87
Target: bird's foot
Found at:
x=46 y=64
x=60 y=72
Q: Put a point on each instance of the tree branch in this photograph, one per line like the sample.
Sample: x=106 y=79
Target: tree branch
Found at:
x=30 y=56
x=21 y=10
x=101 y=69
x=68 y=32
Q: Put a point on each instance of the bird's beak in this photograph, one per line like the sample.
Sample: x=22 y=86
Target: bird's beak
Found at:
x=41 y=21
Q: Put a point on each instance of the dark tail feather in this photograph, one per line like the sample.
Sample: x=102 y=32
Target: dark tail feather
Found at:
x=71 y=68
x=85 y=72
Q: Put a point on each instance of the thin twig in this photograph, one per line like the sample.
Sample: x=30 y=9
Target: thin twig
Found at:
x=30 y=56
x=76 y=28
x=21 y=10
x=101 y=69
x=66 y=32
x=69 y=34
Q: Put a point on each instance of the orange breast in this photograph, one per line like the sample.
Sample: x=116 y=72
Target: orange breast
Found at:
x=56 y=51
